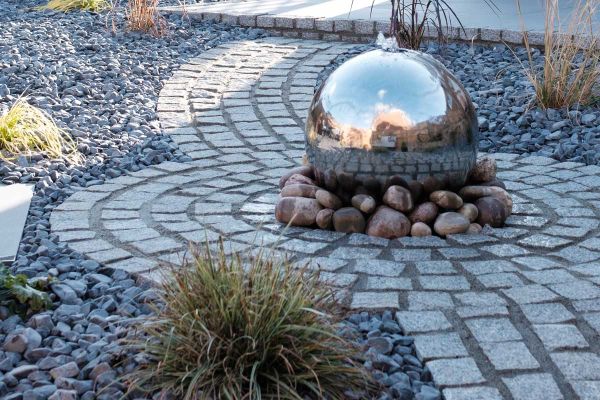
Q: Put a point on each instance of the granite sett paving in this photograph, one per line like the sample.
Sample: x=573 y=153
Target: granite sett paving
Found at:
x=511 y=314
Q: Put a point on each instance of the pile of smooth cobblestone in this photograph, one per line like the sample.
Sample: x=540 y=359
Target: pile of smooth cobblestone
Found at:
x=399 y=208
x=509 y=121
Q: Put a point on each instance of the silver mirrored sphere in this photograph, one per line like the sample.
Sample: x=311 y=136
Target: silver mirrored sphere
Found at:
x=384 y=114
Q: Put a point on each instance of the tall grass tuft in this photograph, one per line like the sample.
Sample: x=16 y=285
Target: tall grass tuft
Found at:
x=72 y=5
x=143 y=16
x=27 y=130
x=231 y=330
x=410 y=19
x=570 y=72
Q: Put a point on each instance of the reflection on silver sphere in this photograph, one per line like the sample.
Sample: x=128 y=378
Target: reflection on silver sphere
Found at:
x=383 y=114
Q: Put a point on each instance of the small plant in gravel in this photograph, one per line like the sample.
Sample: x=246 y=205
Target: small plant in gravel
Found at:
x=72 y=5
x=229 y=329
x=410 y=20
x=570 y=72
x=143 y=16
x=25 y=130
x=22 y=295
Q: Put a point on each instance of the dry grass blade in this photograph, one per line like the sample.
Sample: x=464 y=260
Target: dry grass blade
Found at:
x=411 y=18
x=72 y=5
x=26 y=130
x=408 y=27
x=143 y=16
x=570 y=72
x=229 y=329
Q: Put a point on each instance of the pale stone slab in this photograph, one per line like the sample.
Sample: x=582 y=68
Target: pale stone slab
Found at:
x=533 y=387
x=14 y=206
x=455 y=372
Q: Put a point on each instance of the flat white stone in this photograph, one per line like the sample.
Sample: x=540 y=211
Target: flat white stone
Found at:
x=14 y=206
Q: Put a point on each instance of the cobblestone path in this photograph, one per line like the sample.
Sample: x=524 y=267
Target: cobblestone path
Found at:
x=510 y=315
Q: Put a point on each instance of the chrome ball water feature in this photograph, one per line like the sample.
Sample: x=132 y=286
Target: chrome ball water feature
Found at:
x=384 y=114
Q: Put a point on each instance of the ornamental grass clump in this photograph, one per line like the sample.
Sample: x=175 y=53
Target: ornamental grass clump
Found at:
x=570 y=72
x=410 y=20
x=27 y=130
x=234 y=330
x=72 y=5
x=143 y=16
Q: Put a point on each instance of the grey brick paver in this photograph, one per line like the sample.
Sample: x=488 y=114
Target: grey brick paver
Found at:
x=546 y=313
x=444 y=282
x=455 y=372
x=358 y=239
x=429 y=301
x=440 y=345
x=533 y=387
x=480 y=299
x=303 y=246
x=156 y=245
x=500 y=280
x=411 y=255
x=384 y=283
x=422 y=321
x=578 y=366
x=506 y=250
x=454 y=253
x=578 y=290
x=488 y=267
x=577 y=254
x=472 y=393
x=375 y=300
x=134 y=265
x=321 y=236
x=481 y=311
x=493 y=330
x=587 y=305
x=338 y=279
x=88 y=246
x=530 y=294
x=546 y=277
x=356 y=253
x=73 y=236
x=110 y=255
x=379 y=267
x=560 y=336
x=509 y=356
x=544 y=241
x=593 y=320
x=325 y=263
x=587 y=390
x=435 y=267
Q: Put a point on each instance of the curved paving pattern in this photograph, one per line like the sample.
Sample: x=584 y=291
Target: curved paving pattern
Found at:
x=514 y=314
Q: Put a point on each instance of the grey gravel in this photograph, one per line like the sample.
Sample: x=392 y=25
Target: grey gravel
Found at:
x=391 y=356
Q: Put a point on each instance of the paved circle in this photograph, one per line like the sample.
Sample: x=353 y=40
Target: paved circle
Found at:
x=514 y=313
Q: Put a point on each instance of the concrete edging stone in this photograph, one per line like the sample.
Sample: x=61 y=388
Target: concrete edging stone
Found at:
x=355 y=31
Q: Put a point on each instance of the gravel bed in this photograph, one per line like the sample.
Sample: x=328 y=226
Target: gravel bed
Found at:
x=103 y=87
x=391 y=357
x=508 y=121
